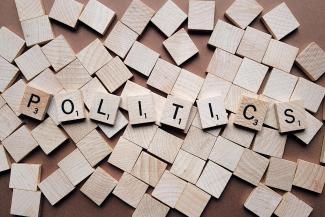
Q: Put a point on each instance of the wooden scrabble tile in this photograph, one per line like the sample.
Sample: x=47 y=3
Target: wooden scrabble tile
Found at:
x=75 y=167
x=14 y=94
x=111 y=130
x=66 y=11
x=243 y=12
x=201 y=15
x=97 y=16
x=262 y=201
x=214 y=86
x=280 y=21
x=28 y=9
x=25 y=203
x=233 y=98
x=190 y=192
x=191 y=118
x=310 y=93
x=131 y=89
x=13 y=46
x=114 y=74
x=169 y=189
x=226 y=153
x=120 y=39
x=180 y=46
x=250 y=75
x=124 y=155
x=140 y=135
x=187 y=166
x=150 y=207
x=25 y=176
x=280 y=174
x=280 y=55
x=51 y=111
x=5 y=163
x=292 y=206
x=148 y=169
x=37 y=30
x=254 y=44
x=141 y=109
x=251 y=167
x=8 y=74
x=99 y=185
x=224 y=65
x=47 y=82
x=90 y=91
x=130 y=189
x=56 y=186
x=9 y=122
x=196 y=122
x=159 y=104
x=20 y=143
x=176 y=112
x=94 y=56
x=58 y=52
x=226 y=36
x=270 y=117
x=312 y=61
x=27 y=64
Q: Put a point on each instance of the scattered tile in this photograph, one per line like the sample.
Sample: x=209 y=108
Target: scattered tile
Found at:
x=47 y=82
x=9 y=122
x=111 y=130
x=8 y=74
x=28 y=9
x=13 y=46
x=25 y=176
x=233 y=98
x=150 y=207
x=214 y=86
x=201 y=15
x=5 y=163
x=140 y=135
x=25 y=203
x=141 y=109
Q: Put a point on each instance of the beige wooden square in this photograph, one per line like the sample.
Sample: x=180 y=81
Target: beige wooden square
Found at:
x=233 y=98
x=99 y=185
x=140 y=135
x=25 y=176
x=131 y=89
x=47 y=82
x=8 y=74
x=224 y=65
x=270 y=117
x=243 y=12
x=130 y=189
x=13 y=46
x=201 y=15
x=5 y=163
x=59 y=52
x=9 y=122
x=56 y=186
x=94 y=56
x=168 y=18
x=97 y=16
x=214 y=86
x=280 y=21
x=254 y=44
x=226 y=36
x=214 y=179
x=193 y=117
x=280 y=55
x=48 y=135
x=111 y=130
x=141 y=109
x=180 y=46
x=292 y=206
x=150 y=207
x=90 y=91
x=66 y=11
x=124 y=155
x=25 y=203
x=280 y=174
x=120 y=39
x=137 y=16
x=251 y=167
x=28 y=9
x=37 y=30
x=187 y=166
x=51 y=111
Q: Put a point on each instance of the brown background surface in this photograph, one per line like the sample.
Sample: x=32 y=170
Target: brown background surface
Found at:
x=310 y=14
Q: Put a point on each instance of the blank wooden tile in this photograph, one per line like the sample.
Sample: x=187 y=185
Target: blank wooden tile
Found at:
x=5 y=163
x=250 y=75
x=8 y=74
x=187 y=166
x=214 y=179
x=140 y=135
x=270 y=117
x=280 y=21
x=56 y=186
x=253 y=44
x=27 y=64
x=262 y=201
x=159 y=104
x=9 y=122
x=28 y=9
x=226 y=36
x=312 y=61
x=180 y=46
x=25 y=203
x=150 y=207
x=310 y=93
x=94 y=56
x=13 y=46
x=120 y=39
x=66 y=11
x=201 y=15
x=51 y=111
x=141 y=109
x=130 y=189
x=193 y=115
x=224 y=65
x=111 y=130
x=47 y=82
x=251 y=167
x=137 y=16
x=58 y=52
x=37 y=30
x=292 y=206
x=214 y=86
x=185 y=203
x=169 y=189
x=280 y=55
x=235 y=93
x=114 y=74
x=226 y=153
x=243 y=12
x=25 y=176
x=97 y=16
x=90 y=91
x=280 y=174
x=99 y=185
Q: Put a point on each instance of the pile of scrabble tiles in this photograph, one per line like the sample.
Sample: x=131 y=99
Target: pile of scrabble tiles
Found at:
x=229 y=129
